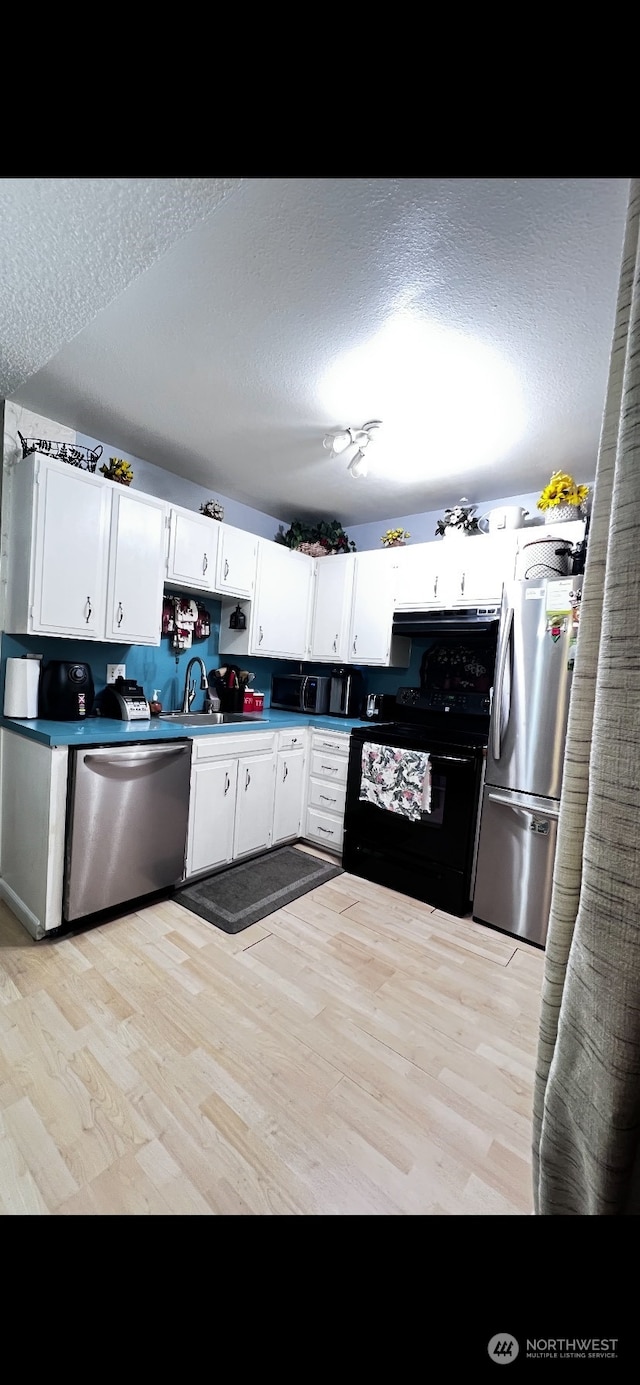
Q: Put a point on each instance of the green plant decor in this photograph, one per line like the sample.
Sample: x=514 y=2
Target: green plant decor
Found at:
x=328 y=536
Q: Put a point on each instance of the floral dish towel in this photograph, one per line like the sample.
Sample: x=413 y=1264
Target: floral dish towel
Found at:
x=397 y=780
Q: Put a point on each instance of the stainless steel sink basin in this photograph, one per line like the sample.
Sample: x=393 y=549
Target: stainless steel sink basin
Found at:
x=210 y=718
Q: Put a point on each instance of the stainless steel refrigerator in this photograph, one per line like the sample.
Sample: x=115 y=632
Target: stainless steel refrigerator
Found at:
x=523 y=780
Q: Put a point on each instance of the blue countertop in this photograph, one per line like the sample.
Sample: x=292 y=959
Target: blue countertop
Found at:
x=105 y=731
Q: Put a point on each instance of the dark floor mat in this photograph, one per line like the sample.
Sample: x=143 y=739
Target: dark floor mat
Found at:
x=235 y=898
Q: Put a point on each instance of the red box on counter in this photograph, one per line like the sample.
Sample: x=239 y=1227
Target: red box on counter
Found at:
x=253 y=701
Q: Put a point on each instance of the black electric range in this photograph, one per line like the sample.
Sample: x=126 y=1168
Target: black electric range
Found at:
x=433 y=858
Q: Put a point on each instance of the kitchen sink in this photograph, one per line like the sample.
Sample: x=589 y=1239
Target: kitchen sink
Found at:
x=210 y=718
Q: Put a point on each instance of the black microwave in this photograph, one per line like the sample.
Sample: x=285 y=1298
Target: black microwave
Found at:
x=299 y=692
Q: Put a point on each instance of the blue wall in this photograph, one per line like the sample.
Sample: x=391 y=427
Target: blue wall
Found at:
x=152 y=666
x=159 y=667
x=178 y=491
x=422 y=527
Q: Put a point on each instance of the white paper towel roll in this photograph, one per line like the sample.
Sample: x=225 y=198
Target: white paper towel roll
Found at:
x=21 y=688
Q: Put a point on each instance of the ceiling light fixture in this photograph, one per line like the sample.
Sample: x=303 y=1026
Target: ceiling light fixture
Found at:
x=360 y=438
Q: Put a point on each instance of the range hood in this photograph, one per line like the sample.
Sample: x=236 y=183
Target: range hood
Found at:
x=455 y=621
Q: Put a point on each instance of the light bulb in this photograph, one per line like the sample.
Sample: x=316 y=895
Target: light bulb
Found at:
x=341 y=441
x=358 y=465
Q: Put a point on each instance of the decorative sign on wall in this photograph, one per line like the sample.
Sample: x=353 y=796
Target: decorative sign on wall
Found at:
x=185 y=620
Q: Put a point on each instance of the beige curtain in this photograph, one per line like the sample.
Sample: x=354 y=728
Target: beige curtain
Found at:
x=586 y=1151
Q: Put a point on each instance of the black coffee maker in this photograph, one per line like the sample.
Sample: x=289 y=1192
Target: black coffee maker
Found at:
x=347 y=690
x=66 y=691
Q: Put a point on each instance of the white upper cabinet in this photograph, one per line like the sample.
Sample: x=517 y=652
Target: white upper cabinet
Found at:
x=480 y=565
x=281 y=609
x=236 y=566
x=370 y=640
x=193 y=550
x=418 y=576
x=70 y=530
x=136 y=568
x=456 y=571
x=332 y=598
x=85 y=556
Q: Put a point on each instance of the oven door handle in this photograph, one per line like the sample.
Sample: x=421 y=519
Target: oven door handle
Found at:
x=454 y=759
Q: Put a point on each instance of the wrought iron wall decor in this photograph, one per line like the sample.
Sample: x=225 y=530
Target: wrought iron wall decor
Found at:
x=86 y=458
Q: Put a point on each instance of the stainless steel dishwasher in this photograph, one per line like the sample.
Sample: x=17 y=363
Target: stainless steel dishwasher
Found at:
x=126 y=824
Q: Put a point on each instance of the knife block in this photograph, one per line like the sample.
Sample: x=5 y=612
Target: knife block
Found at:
x=231 y=699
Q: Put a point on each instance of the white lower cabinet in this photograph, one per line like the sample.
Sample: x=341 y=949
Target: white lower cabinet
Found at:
x=254 y=804
x=212 y=813
x=287 y=813
x=326 y=789
x=231 y=803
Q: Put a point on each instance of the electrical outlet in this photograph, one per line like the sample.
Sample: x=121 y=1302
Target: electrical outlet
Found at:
x=116 y=671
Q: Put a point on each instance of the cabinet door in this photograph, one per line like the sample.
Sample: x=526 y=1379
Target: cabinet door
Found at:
x=372 y=610
x=332 y=595
x=287 y=814
x=236 y=567
x=281 y=609
x=486 y=564
x=211 y=814
x=193 y=551
x=419 y=573
x=254 y=803
x=136 y=570
x=71 y=535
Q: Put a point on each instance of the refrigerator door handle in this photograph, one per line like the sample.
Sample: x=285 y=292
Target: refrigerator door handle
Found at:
x=497 y=698
x=510 y=802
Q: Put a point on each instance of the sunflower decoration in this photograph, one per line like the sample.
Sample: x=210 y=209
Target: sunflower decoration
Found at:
x=118 y=470
x=392 y=537
x=562 y=490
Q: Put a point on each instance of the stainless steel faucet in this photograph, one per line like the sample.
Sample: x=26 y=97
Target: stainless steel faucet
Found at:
x=190 y=687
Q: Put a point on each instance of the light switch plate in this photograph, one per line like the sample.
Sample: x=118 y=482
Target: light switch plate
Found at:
x=116 y=671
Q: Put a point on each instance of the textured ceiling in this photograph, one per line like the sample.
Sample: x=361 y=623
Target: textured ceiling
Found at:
x=70 y=245
x=473 y=316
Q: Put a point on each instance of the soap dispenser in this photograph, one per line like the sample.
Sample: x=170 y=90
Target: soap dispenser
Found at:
x=155 y=705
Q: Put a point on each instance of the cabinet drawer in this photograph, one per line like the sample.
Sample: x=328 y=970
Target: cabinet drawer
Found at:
x=325 y=830
x=328 y=798
x=292 y=740
x=326 y=766
x=220 y=744
x=329 y=740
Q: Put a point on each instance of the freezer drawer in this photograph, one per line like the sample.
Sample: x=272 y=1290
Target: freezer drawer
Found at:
x=514 y=873
x=127 y=824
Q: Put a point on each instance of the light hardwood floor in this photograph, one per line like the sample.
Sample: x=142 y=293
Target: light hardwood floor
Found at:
x=356 y=1053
